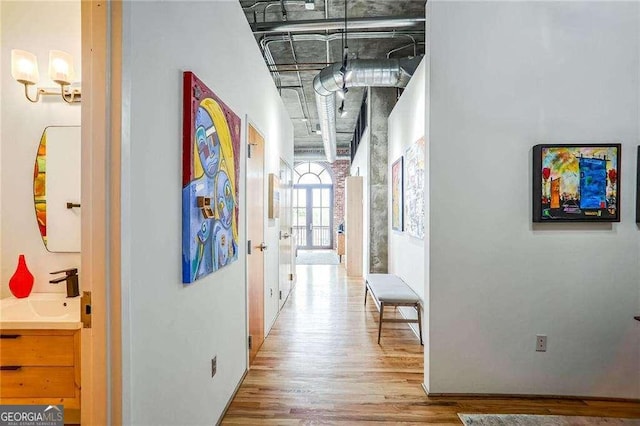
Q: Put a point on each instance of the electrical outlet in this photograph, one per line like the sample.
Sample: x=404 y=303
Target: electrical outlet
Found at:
x=214 y=365
x=541 y=343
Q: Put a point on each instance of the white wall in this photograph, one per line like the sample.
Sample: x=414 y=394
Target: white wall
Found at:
x=37 y=27
x=407 y=255
x=503 y=77
x=406 y=126
x=172 y=331
x=360 y=167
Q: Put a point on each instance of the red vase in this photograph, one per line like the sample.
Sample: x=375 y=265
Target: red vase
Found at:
x=21 y=282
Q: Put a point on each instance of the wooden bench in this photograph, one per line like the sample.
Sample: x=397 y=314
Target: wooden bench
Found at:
x=391 y=290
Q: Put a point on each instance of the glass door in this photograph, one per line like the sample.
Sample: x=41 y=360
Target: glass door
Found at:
x=313 y=216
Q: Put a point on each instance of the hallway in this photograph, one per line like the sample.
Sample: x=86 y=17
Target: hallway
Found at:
x=321 y=364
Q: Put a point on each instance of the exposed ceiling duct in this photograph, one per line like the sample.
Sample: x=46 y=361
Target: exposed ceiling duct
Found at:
x=267 y=41
x=358 y=73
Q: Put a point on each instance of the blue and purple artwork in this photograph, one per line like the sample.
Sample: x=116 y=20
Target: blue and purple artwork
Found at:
x=211 y=148
x=576 y=182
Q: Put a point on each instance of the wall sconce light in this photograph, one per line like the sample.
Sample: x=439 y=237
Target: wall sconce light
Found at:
x=24 y=69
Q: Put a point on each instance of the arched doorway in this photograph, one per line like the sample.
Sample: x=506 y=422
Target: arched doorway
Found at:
x=313 y=206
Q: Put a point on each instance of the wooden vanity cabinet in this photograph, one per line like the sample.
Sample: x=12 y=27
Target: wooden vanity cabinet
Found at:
x=40 y=367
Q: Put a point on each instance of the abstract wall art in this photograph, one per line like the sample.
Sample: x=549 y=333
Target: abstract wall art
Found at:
x=397 y=190
x=414 y=189
x=210 y=175
x=576 y=183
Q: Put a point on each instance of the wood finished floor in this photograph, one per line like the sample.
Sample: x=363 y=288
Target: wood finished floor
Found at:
x=321 y=365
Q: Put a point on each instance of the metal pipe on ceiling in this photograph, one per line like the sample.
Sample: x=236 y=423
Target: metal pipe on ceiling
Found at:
x=303 y=102
x=269 y=4
x=414 y=45
x=283 y=10
x=269 y=59
x=289 y=71
x=267 y=40
x=338 y=24
x=358 y=73
x=260 y=3
x=305 y=114
x=324 y=64
x=326 y=16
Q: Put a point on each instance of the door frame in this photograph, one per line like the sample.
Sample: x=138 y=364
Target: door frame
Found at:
x=249 y=122
x=101 y=120
x=309 y=187
x=286 y=183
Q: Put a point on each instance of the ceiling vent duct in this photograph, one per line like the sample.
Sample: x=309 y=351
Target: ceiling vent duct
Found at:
x=359 y=73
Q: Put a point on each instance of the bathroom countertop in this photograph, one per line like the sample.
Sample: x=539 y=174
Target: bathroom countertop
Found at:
x=40 y=311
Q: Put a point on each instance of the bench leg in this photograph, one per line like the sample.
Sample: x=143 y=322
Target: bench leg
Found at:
x=380 y=322
x=366 y=289
x=419 y=322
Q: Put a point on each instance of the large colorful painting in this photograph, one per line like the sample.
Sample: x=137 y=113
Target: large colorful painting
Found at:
x=414 y=189
x=396 y=196
x=210 y=175
x=573 y=182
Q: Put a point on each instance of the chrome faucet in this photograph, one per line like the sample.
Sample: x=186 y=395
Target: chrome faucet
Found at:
x=71 y=277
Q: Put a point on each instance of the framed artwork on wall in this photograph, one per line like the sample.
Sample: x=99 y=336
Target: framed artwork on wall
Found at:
x=414 y=189
x=210 y=175
x=397 y=192
x=576 y=182
x=273 y=209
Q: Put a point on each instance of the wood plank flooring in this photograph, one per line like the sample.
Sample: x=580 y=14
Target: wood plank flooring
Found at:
x=321 y=365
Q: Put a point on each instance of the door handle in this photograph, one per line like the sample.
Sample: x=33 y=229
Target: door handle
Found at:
x=285 y=235
x=262 y=247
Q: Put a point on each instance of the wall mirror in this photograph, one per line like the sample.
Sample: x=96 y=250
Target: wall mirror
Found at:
x=56 y=188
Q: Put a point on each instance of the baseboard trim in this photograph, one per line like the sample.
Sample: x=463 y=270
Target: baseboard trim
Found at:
x=233 y=395
x=524 y=396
